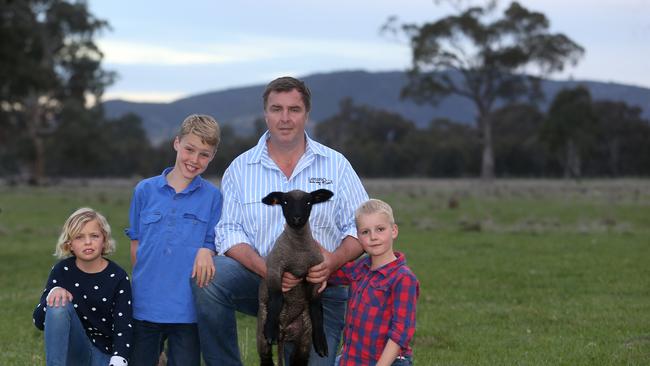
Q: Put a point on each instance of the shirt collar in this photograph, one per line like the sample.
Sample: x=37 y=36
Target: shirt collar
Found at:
x=388 y=268
x=161 y=181
x=260 y=150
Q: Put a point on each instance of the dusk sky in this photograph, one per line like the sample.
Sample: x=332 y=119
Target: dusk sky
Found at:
x=164 y=50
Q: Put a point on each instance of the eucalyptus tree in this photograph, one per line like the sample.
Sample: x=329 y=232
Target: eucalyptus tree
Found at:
x=48 y=60
x=570 y=128
x=485 y=59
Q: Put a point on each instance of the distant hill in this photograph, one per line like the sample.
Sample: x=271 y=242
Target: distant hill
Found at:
x=239 y=107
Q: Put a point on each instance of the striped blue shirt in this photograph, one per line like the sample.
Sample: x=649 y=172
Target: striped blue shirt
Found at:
x=253 y=175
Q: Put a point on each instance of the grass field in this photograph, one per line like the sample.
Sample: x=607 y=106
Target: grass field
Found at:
x=525 y=272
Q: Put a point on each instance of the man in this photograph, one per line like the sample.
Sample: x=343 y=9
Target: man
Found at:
x=284 y=159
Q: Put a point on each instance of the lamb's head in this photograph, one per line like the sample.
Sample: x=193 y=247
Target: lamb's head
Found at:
x=297 y=204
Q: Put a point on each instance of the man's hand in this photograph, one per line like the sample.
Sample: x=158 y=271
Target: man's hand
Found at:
x=289 y=281
x=58 y=296
x=203 y=269
x=321 y=272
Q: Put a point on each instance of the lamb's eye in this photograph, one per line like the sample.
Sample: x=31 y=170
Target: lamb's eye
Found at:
x=308 y=203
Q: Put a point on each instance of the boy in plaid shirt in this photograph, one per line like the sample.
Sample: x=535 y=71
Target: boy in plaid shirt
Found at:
x=380 y=319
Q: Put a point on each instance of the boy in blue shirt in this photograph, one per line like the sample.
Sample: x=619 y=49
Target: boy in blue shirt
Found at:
x=172 y=219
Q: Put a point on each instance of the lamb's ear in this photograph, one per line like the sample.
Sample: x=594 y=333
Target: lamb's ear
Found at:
x=273 y=198
x=321 y=195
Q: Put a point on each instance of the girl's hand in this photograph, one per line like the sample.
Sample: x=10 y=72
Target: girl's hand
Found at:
x=203 y=269
x=58 y=296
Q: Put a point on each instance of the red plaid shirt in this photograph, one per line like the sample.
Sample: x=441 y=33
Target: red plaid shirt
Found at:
x=381 y=307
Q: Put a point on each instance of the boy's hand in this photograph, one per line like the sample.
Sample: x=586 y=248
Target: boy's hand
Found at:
x=203 y=268
x=58 y=296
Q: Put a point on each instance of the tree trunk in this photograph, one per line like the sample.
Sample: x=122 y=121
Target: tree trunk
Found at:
x=614 y=157
x=572 y=167
x=33 y=122
x=487 y=161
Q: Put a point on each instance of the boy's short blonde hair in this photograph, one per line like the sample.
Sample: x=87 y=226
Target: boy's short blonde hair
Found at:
x=73 y=226
x=374 y=206
x=203 y=126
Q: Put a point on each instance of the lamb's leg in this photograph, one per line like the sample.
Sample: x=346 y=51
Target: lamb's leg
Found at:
x=272 y=324
x=302 y=345
x=317 y=323
x=264 y=349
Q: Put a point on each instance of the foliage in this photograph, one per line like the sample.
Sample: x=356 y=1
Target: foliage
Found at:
x=518 y=150
x=48 y=60
x=484 y=61
x=373 y=140
x=623 y=140
x=570 y=128
x=548 y=272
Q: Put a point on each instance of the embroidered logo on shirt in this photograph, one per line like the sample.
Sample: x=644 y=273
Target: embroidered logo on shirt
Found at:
x=320 y=181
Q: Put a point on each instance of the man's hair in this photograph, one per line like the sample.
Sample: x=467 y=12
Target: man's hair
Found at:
x=73 y=226
x=373 y=206
x=202 y=126
x=287 y=84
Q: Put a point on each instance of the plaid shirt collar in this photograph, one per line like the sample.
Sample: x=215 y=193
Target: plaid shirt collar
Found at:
x=382 y=272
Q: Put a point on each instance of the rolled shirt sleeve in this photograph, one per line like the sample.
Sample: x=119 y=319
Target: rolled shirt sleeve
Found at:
x=405 y=294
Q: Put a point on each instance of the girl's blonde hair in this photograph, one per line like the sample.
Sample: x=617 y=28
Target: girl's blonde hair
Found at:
x=73 y=226
x=373 y=206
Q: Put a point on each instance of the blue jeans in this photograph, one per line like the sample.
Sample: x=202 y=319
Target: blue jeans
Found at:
x=234 y=288
x=66 y=342
x=182 y=339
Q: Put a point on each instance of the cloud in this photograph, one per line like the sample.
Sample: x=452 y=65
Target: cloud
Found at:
x=251 y=49
x=133 y=53
x=144 y=96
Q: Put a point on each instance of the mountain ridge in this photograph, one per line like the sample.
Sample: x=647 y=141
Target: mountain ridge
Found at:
x=239 y=107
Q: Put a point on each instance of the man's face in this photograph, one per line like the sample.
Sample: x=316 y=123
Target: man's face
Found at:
x=286 y=117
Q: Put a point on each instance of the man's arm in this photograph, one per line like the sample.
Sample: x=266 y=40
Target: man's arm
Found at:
x=349 y=249
x=248 y=257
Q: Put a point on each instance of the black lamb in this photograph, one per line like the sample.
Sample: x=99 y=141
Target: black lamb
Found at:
x=297 y=315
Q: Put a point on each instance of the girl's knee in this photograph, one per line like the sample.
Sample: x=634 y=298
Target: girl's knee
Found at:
x=59 y=311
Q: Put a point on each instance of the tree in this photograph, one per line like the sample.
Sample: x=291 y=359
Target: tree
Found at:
x=518 y=151
x=623 y=138
x=79 y=146
x=371 y=139
x=48 y=60
x=446 y=149
x=484 y=61
x=570 y=128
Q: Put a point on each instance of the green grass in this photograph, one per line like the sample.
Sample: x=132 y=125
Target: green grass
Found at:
x=520 y=273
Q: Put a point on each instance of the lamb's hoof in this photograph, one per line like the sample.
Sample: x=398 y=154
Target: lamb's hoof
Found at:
x=271 y=335
x=267 y=363
x=320 y=345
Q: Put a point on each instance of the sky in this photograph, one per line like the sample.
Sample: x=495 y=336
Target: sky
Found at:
x=164 y=50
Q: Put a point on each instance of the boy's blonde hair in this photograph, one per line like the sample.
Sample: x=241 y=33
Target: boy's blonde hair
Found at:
x=73 y=226
x=374 y=206
x=203 y=126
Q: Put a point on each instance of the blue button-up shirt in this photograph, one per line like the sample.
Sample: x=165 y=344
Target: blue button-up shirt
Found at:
x=253 y=175
x=170 y=228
